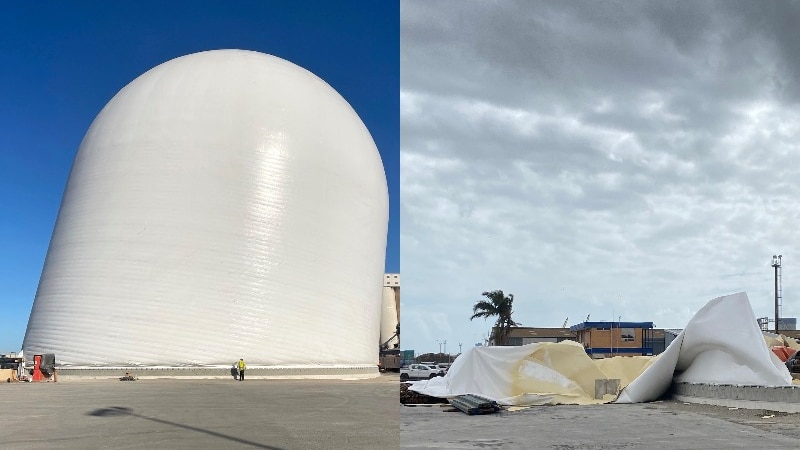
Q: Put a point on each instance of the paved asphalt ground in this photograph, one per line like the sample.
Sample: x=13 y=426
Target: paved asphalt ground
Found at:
x=660 y=425
x=201 y=414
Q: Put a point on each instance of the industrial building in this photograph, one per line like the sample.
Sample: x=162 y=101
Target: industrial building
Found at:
x=784 y=324
x=529 y=335
x=226 y=204
x=601 y=339
x=606 y=339
x=390 y=312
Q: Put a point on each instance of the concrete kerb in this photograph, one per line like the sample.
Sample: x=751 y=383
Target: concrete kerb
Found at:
x=222 y=372
x=772 y=398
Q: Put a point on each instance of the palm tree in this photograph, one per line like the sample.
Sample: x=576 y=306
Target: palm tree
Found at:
x=500 y=305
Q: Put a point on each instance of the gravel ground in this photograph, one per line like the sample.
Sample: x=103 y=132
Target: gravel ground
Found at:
x=201 y=414
x=779 y=422
x=664 y=424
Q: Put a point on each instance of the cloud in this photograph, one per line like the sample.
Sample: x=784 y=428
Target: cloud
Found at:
x=594 y=158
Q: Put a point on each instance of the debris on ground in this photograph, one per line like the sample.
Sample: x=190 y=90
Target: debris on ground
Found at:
x=474 y=404
x=409 y=397
x=128 y=377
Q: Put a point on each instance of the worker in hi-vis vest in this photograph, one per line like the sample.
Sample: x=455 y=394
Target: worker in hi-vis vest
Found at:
x=241 y=366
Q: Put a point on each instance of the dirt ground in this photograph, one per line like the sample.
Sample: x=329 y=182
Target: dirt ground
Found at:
x=779 y=422
x=198 y=414
x=663 y=424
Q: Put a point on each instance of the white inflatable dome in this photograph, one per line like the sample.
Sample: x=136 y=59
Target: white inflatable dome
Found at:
x=226 y=204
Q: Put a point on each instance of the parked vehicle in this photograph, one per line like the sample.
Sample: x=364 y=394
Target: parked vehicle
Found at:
x=793 y=363
x=389 y=360
x=419 y=372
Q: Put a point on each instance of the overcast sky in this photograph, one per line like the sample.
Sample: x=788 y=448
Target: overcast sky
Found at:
x=632 y=159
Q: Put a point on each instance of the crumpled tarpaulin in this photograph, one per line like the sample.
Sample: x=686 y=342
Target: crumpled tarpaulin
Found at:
x=721 y=344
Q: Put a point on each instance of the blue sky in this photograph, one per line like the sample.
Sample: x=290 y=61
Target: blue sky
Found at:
x=61 y=62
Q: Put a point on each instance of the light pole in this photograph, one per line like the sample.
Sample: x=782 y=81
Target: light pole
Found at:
x=440 y=345
x=776 y=263
x=459 y=348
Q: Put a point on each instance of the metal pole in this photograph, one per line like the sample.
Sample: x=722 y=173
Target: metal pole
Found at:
x=776 y=265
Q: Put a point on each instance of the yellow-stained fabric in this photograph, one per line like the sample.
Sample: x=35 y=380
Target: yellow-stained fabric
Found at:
x=559 y=373
x=562 y=373
x=625 y=368
x=791 y=343
x=782 y=340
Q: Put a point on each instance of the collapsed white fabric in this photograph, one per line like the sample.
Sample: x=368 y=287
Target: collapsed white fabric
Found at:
x=533 y=374
x=487 y=371
x=722 y=344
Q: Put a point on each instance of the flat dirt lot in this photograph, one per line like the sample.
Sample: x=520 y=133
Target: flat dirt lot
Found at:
x=665 y=424
x=184 y=414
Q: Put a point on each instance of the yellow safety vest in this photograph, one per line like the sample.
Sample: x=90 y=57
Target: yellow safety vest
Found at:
x=241 y=365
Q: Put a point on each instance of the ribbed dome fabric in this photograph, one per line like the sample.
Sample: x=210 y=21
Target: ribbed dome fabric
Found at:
x=226 y=204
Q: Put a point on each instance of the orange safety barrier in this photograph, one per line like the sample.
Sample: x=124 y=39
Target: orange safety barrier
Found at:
x=782 y=352
x=37 y=371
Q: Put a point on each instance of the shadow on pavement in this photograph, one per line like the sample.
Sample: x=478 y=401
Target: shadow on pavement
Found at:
x=123 y=411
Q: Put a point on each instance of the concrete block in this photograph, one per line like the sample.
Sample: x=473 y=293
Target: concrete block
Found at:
x=774 y=398
x=605 y=386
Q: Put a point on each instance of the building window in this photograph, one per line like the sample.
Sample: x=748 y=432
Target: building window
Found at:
x=627 y=334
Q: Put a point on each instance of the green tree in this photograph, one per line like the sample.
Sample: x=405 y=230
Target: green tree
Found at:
x=499 y=305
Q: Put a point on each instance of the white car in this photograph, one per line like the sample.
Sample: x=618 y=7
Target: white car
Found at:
x=420 y=371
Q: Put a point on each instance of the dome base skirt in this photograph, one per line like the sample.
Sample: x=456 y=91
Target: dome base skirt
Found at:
x=343 y=372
